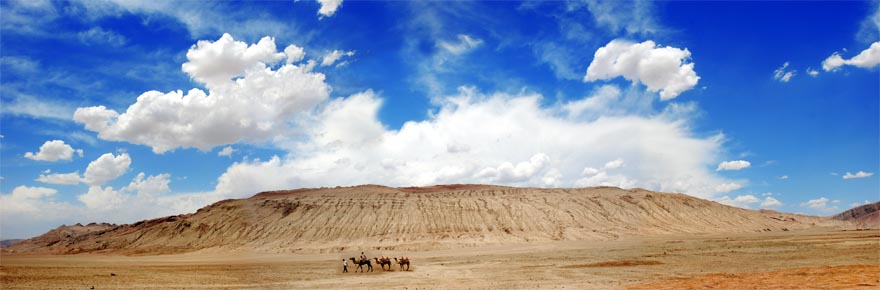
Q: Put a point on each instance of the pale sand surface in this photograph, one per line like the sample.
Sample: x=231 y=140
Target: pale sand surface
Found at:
x=806 y=259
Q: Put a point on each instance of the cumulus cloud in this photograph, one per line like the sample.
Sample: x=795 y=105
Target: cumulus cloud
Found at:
x=663 y=69
x=101 y=198
x=346 y=138
x=727 y=187
x=770 y=202
x=614 y=164
x=784 y=177
x=226 y=151
x=72 y=178
x=335 y=56
x=819 y=204
x=294 y=53
x=144 y=197
x=25 y=199
x=328 y=7
x=141 y=189
x=743 y=201
x=782 y=74
x=812 y=72
x=106 y=168
x=253 y=107
x=860 y=174
x=733 y=165
x=748 y=200
x=216 y=63
x=868 y=58
x=464 y=44
x=509 y=173
x=53 y=150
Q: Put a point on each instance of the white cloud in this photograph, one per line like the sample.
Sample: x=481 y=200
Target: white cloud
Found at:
x=199 y=18
x=733 y=165
x=748 y=200
x=72 y=178
x=149 y=185
x=100 y=36
x=255 y=107
x=856 y=204
x=868 y=58
x=631 y=17
x=782 y=75
x=24 y=199
x=53 y=150
x=101 y=198
x=145 y=197
x=812 y=72
x=860 y=174
x=141 y=189
x=346 y=138
x=328 y=7
x=770 y=202
x=727 y=187
x=820 y=205
x=464 y=44
x=742 y=201
x=784 y=177
x=589 y=171
x=334 y=56
x=106 y=168
x=509 y=173
x=870 y=26
x=614 y=164
x=294 y=53
x=597 y=103
x=663 y=69
x=226 y=151
x=216 y=63
x=27 y=105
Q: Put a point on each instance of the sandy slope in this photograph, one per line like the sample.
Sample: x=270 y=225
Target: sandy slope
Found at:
x=818 y=258
x=405 y=219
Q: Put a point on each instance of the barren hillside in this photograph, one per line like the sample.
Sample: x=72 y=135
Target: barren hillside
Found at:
x=865 y=215
x=378 y=217
x=62 y=235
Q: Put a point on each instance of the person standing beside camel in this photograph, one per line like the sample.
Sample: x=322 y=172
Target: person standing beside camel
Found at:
x=344 y=266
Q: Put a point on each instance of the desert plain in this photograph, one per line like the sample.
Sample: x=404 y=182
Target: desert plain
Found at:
x=600 y=238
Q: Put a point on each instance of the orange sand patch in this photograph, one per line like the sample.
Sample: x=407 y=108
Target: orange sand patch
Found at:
x=838 y=277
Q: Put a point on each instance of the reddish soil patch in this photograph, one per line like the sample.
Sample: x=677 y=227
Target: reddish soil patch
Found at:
x=837 y=277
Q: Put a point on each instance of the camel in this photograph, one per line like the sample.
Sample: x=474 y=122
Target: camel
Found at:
x=402 y=261
x=361 y=264
x=383 y=261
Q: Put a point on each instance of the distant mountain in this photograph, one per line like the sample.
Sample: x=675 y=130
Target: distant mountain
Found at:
x=9 y=242
x=865 y=215
x=63 y=235
x=375 y=217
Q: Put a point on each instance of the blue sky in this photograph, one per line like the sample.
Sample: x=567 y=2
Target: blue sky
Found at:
x=118 y=111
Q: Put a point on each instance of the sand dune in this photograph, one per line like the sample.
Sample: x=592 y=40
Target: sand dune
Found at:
x=427 y=218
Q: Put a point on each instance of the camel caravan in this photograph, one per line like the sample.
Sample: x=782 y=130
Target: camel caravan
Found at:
x=381 y=261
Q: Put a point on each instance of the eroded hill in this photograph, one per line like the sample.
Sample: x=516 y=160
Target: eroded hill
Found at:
x=378 y=217
x=866 y=215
